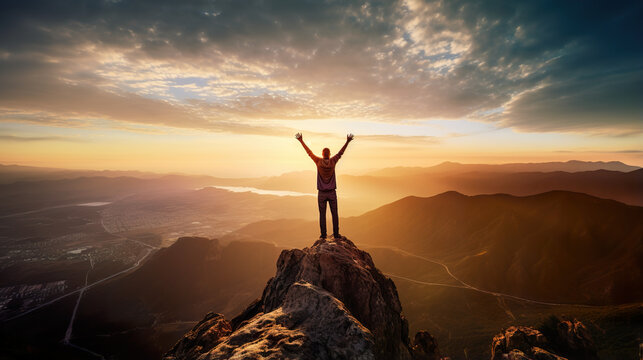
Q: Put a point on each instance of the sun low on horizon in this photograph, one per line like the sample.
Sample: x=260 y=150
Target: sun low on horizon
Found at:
x=221 y=87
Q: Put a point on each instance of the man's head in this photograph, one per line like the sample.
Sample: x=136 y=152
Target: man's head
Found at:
x=326 y=153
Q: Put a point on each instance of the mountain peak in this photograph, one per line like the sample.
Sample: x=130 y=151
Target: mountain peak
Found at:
x=326 y=301
x=451 y=194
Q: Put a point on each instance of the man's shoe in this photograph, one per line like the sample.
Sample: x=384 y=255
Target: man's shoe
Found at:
x=337 y=236
x=323 y=236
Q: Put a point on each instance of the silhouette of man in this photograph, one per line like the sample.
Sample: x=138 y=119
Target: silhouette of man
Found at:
x=326 y=184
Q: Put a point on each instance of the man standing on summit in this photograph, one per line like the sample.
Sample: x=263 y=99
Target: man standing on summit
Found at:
x=326 y=184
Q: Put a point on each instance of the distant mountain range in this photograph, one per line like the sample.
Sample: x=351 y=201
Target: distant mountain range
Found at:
x=454 y=168
x=358 y=193
x=557 y=246
x=13 y=173
x=365 y=192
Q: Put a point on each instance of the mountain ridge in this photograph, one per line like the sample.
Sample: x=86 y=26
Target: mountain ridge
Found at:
x=481 y=236
x=566 y=166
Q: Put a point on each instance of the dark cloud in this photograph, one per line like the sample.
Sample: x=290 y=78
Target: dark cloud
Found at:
x=586 y=59
x=552 y=66
x=604 y=101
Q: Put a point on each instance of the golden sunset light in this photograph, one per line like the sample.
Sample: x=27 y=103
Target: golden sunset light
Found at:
x=176 y=88
x=321 y=180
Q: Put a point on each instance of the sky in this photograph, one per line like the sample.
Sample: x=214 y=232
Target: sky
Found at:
x=221 y=87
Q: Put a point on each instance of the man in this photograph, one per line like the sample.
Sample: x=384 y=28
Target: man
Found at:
x=326 y=184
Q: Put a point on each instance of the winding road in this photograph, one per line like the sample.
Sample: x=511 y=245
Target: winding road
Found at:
x=464 y=284
x=73 y=314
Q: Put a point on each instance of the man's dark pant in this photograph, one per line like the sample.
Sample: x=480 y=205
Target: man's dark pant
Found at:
x=322 y=197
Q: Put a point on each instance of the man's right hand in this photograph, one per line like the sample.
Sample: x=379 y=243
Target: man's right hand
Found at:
x=349 y=137
x=299 y=136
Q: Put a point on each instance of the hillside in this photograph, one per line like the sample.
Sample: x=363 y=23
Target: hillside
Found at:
x=557 y=246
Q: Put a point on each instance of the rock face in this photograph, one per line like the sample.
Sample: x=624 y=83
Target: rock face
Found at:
x=310 y=324
x=569 y=340
x=207 y=334
x=574 y=340
x=325 y=302
x=425 y=347
x=520 y=342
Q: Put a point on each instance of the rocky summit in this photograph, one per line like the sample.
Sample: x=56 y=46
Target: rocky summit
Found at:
x=328 y=301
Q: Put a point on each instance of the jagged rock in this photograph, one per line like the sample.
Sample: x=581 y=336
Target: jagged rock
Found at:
x=207 y=334
x=516 y=355
x=570 y=340
x=520 y=338
x=542 y=354
x=574 y=340
x=310 y=324
x=425 y=347
x=325 y=302
x=537 y=354
x=350 y=275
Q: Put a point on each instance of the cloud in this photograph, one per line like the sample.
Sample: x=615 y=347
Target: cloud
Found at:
x=598 y=104
x=34 y=86
x=230 y=65
x=38 y=138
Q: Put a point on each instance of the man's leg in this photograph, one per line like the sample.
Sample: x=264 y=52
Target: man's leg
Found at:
x=333 y=210
x=321 y=202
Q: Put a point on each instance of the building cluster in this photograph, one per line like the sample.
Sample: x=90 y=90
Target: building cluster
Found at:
x=21 y=297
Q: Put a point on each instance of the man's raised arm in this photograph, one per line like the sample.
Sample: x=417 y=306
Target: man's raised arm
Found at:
x=349 y=138
x=300 y=137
